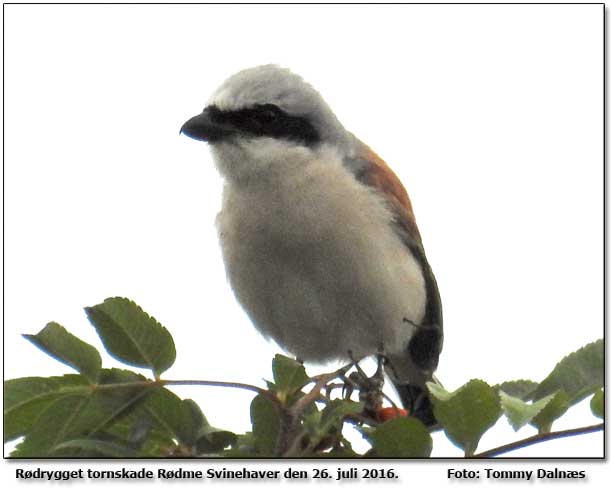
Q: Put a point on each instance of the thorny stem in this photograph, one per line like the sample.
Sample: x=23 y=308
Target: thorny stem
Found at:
x=541 y=437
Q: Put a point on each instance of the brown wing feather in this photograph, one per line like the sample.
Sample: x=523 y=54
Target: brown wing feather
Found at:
x=426 y=344
x=379 y=175
x=372 y=170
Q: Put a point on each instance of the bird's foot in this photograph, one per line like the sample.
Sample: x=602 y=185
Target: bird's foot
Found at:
x=370 y=388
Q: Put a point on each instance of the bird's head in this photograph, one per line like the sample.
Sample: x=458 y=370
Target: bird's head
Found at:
x=263 y=116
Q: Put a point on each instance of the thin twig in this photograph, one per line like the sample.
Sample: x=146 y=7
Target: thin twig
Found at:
x=209 y=383
x=215 y=383
x=288 y=442
x=541 y=437
x=320 y=382
x=332 y=375
x=127 y=385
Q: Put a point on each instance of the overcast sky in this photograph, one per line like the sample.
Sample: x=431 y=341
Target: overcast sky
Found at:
x=490 y=115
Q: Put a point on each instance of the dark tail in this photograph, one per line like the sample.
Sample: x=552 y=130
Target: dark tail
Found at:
x=416 y=401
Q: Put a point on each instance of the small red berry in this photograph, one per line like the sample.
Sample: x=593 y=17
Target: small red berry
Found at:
x=387 y=413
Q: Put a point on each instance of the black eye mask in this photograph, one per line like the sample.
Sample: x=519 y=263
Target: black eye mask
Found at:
x=266 y=120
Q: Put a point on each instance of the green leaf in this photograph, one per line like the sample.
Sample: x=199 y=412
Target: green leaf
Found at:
x=336 y=410
x=243 y=447
x=401 y=437
x=266 y=425
x=312 y=422
x=54 y=340
x=52 y=427
x=579 y=374
x=520 y=413
x=131 y=335
x=80 y=412
x=555 y=408
x=466 y=413
x=27 y=397
x=340 y=452
x=171 y=418
x=136 y=429
x=198 y=419
x=518 y=388
x=88 y=447
x=105 y=404
x=344 y=449
x=165 y=408
x=597 y=404
x=328 y=423
x=179 y=418
x=289 y=376
x=212 y=440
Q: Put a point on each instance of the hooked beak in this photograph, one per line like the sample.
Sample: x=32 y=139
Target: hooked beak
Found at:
x=203 y=128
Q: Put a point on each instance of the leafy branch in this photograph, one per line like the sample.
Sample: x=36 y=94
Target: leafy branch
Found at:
x=119 y=413
x=539 y=438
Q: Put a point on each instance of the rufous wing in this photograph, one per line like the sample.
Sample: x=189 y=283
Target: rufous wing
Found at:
x=370 y=169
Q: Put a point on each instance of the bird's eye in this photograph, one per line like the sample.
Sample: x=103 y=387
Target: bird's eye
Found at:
x=266 y=113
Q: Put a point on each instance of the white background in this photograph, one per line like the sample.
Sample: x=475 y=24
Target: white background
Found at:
x=491 y=115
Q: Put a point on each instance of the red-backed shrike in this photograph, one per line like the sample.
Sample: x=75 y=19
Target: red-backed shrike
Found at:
x=318 y=234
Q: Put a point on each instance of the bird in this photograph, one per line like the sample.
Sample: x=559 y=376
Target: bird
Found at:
x=318 y=235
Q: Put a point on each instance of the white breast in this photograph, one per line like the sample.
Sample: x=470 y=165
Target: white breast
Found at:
x=312 y=256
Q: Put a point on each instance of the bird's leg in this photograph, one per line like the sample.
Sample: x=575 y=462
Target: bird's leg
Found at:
x=356 y=364
x=370 y=388
x=375 y=400
x=358 y=379
x=381 y=362
x=351 y=382
x=331 y=387
x=349 y=385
